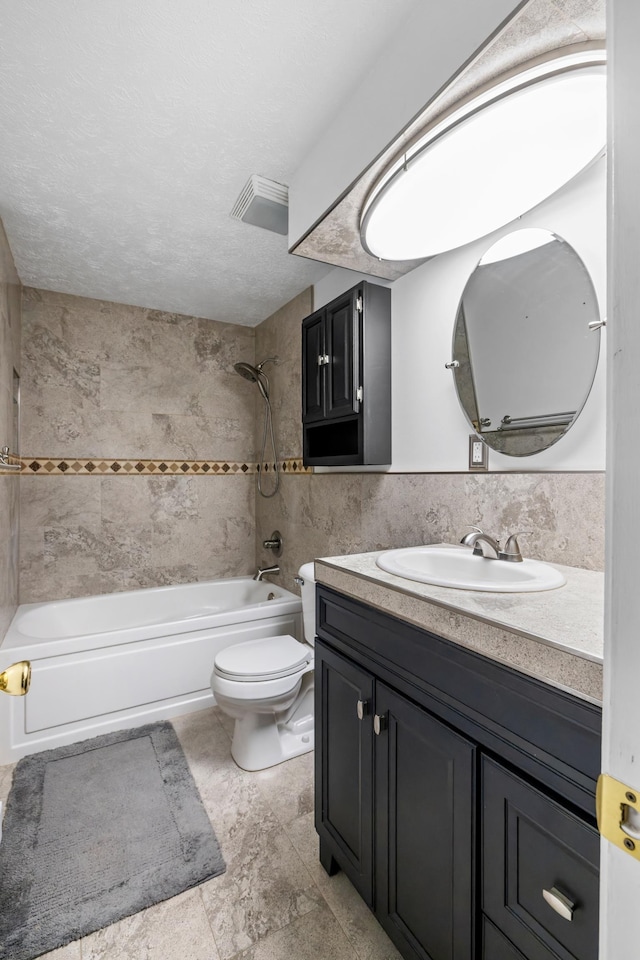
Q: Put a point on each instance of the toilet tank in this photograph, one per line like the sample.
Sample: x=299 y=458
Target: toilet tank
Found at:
x=308 y=589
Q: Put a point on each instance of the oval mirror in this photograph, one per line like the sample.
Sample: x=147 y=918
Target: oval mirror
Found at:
x=524 y=355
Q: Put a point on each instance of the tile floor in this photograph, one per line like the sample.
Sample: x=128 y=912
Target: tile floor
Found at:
x=275 y=902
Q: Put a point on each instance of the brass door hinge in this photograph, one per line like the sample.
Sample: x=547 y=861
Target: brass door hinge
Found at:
x=616 y=822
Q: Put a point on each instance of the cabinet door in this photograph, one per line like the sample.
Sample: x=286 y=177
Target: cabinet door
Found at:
x=425 y=807
x=344 y=765
x=342 y=329
x=536 y=852
x=313 y=367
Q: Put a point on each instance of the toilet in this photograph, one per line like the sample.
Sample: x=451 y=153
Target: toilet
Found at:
x=267 y=687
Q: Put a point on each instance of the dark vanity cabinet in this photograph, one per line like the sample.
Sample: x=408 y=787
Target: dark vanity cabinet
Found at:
x=453 y=792
x=346 y=379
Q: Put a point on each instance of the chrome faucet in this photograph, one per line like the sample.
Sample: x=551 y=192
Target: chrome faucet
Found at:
x=489 y=548
x=483 y=545
x=264 y=570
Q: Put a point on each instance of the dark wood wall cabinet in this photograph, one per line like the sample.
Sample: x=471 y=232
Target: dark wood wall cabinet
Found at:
x=458 y=795
x=346 y=379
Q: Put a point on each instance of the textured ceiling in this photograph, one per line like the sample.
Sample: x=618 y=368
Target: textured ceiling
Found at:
x=129 y=129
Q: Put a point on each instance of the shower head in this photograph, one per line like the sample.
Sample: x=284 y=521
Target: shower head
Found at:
x=247 y=371
x=255 y=374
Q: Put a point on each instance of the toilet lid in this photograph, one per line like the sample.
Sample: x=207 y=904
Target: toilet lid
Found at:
x=268 y=658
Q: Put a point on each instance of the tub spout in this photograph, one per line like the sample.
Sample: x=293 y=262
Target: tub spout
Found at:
x=264 y=570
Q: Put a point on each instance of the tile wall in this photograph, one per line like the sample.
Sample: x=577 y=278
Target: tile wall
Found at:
x=10 y=309
x=281 y=336
x=326 y=514
x=138 y=445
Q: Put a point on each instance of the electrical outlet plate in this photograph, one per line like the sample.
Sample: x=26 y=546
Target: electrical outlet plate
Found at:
x=478 y=453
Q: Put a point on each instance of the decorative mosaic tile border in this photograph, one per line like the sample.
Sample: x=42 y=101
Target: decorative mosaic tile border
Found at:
x=287 y=466
x=71 y=467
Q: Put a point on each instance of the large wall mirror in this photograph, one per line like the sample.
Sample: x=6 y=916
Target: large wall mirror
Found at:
x=524 y=353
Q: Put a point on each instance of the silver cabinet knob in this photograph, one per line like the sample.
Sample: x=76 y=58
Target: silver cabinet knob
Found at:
x=560 y=903
x=379 y=724
x=362 y=708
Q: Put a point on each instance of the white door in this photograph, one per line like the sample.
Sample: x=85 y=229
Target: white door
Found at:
x=620 y=886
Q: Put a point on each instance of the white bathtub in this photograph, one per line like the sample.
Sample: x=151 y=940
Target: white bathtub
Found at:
x=118 y=660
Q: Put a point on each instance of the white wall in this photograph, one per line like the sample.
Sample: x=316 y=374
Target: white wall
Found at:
x=420 y=59
x=620 y=873
x=430 y=431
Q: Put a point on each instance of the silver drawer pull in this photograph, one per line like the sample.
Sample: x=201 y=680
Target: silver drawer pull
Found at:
x=379 y=724
x=362 y=708
x=560 y=903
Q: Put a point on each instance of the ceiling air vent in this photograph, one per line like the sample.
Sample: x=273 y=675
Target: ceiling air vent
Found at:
x=264 y=203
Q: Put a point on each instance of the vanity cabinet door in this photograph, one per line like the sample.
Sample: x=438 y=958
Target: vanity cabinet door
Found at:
x=424 y=831
x=532 y=844
x=344 y=766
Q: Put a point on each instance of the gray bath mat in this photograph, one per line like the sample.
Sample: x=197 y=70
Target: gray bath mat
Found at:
x=96 y=831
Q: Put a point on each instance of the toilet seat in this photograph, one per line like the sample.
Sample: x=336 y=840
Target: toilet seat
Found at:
x=255 y=692
x=259 y=661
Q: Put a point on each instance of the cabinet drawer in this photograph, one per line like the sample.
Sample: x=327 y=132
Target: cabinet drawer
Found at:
x=530 y=843
x=495 y=946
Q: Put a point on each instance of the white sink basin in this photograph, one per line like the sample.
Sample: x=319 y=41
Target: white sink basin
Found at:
x=452 y=566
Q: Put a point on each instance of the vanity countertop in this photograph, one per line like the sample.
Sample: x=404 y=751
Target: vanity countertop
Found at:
x=554 y=635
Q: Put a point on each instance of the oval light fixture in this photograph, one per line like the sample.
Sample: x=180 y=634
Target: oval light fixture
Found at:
x=491 y=160
x=517 y=243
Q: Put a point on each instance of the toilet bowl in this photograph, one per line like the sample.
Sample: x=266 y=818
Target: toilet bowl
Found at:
x=267 y=687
